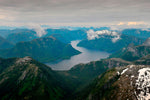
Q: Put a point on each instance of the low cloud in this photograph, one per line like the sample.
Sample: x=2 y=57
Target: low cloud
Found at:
x=91 y=35
x=40 y=31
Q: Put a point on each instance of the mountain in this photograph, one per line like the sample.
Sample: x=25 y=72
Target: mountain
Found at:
x=105 y=43
x=65 y=35
x=140 y=33
x=143 y=61
x=121 y=83
x=147 y=42
x=4 y=32
x=4 y=44
x=27 y=79
x=20 y=35
x=133 y=52
x=85 y=73
x=42 y=49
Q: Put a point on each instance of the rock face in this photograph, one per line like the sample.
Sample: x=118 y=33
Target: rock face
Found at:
x=130 y=82
x=27 y=79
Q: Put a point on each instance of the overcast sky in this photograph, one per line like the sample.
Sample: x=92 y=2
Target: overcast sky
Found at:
x=74 y=11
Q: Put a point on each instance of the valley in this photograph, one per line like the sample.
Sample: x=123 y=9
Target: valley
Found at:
x=85 y=56
x=74 y=49
x=56 y=66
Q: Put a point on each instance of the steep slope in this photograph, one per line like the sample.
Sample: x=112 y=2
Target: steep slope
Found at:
x=27 y=79
x=132 y=52
x=4 y=44
x=85 y=73
x=121 y=83
x=105 y=43
x=43 y=49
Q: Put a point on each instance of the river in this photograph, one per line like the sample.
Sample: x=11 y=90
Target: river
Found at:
x=85 y=56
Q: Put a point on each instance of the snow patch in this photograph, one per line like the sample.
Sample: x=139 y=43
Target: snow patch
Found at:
x=124 y=71
x=118 y=73
x=143 y=84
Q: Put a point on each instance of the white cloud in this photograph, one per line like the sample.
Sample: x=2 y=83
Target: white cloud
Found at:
x=91 y=35
x=40 y=31
x=115 y=39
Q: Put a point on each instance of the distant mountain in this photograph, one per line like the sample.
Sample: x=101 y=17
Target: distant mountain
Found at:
x=105 y=43
x=140 y=33
x=4 y=44
x=132 y=52
x=42 y=49
x=5 y=32
x=121 y=83
x=65 y=35
x=21 y=35
x=27 y=79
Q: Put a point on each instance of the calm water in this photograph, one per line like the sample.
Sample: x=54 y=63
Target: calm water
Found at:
x=84 y=57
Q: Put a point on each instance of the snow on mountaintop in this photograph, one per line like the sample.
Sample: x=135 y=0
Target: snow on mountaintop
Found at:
x=139 y=79
x=143 y=84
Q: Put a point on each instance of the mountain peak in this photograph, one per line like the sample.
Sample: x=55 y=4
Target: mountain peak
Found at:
x=24 y=60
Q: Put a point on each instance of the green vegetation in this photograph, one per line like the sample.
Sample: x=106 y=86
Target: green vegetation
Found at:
x=4 y=44
x=24 y=78
x=105 y=43
x=43 y=49
x=132 y=53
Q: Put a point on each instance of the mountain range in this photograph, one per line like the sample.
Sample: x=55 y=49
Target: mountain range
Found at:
x=105 y=43
x=124 y=75
x=133 y=52
x=42 y=49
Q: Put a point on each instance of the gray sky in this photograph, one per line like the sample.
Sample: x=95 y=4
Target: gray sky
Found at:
x=78 y=12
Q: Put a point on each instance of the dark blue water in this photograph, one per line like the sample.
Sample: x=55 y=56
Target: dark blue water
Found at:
x=85 y=57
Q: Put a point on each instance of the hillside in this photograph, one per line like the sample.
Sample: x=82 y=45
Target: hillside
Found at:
x=42 y=49
x=132 y=52
x=105 y=43
x=27 y=79
x=86 y=73
x=121 y=83
x=20 y=35
x=140 y=33
x=65 y=35
x=5 y=44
